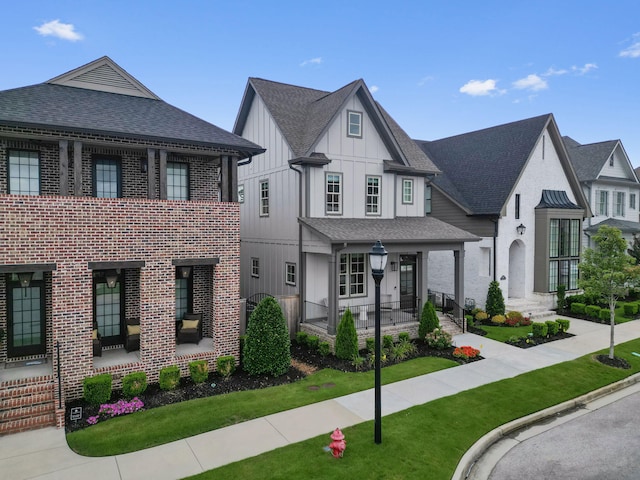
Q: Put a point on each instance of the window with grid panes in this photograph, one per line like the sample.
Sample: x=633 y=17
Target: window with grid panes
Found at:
x=564 y=253
x=177 y=181
x=24 y=172
x=353 y=272
x=373 y=196
x=334 y=193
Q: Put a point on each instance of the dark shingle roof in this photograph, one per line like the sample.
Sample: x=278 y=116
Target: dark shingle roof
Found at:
x=304 y=114
x=480 y=168
x=397 y=230
x=624 y=226
x=588 y=160
x=78 y=109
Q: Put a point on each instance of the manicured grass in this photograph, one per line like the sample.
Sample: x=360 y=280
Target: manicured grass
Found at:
x=173 y=422
x=502 y=334
x=429 y=440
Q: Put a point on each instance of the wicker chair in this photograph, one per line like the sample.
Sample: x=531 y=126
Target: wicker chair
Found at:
x=188 y=333
x=132 y=335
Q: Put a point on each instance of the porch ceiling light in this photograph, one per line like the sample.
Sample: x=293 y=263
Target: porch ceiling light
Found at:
x=521 y=229
x=25 y=278
x=111 y=276
x=184 y=272
x=378 y=259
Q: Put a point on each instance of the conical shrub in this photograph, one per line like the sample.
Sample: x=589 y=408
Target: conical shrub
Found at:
x=428 y=320
x=347 y=337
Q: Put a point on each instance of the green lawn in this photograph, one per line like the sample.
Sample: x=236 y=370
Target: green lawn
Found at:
x=429 y=440
x=502 y=334
x=172 y=422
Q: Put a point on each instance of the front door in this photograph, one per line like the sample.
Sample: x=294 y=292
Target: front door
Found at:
x=108 y=309
x=408 y=282
x=26 y=318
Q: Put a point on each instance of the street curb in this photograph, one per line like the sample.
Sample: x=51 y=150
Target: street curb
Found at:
x=478 y=449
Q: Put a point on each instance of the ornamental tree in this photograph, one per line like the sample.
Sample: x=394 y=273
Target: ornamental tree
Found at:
x=607 y=271
x=495 y=301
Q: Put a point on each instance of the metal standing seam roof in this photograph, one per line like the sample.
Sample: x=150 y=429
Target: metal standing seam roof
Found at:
x=78 y=109
x=624 y=226
x=588 y=160
x=480 y=168
x=556 y=199
x=397 y=230
x=303 y=114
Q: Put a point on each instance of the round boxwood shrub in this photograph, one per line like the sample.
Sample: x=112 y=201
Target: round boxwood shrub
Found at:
x=268 y=346
x=428 y=320
x=605 y=315
x=539 y=329
x=97 y=389
x=133 y=384
x=346 y=337
x=169 y=377
x=199 y=370
x=564 y=324
x=552 y=327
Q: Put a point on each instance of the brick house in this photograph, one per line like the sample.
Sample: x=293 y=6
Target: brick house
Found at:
x=117 y=208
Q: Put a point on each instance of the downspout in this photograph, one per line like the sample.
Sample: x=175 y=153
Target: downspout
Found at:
x=246 y=162
x=301 y=275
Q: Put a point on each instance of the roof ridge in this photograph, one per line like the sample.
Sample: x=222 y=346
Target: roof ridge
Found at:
x=289 y=85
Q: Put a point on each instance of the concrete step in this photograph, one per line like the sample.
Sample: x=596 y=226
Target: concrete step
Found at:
x=528 y=308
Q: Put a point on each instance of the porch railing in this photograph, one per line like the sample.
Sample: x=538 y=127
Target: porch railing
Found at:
x=447 y=305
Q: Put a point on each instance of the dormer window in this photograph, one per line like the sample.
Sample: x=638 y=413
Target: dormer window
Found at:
x=354 y=124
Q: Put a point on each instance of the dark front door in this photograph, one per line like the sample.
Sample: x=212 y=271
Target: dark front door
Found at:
x=26 y=319
x=407 y=282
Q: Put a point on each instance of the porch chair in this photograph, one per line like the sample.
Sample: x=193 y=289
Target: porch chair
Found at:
x=190 y=328
x=97 y=341
x=132 y=335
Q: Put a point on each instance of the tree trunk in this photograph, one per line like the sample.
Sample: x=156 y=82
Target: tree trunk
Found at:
x=612 y=310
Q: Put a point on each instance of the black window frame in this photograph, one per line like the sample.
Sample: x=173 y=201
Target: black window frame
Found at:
x=95 y=159
x=9 y=187
x=186 y=166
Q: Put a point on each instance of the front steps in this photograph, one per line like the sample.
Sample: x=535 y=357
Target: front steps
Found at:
x=27 y=404
x=528 y=308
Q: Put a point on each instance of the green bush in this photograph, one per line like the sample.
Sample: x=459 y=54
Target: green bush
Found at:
x=226 y=366
x=133 y=384
x=403 y=349
x=630 y=309
x=495 y=300
x=564 y=324
x=358 y=362
x=325 y=349
x=592 y=311
x=97 y=389
x=552 y=327
x=498 y=319
x=301 y=338
x=539 y=329
x=560 y=294
x=578 y=308
x=370 y=344
x=481 y=316
x=605 y=315
x=346 y=337
x=387 y=341
x=438 y=339
x=402 y=336
x=169 y=377
x=268 y=346
x=313 y=342
x=428 y=320
x=469 y=320
x=199 y=370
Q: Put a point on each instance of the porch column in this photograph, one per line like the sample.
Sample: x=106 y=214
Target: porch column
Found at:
x=332 y=301
x=423 y=279
x=163 y=174
x=228 y=178
x=63 y=146
x=151 y=173
x=458 y=256
x=77 y=168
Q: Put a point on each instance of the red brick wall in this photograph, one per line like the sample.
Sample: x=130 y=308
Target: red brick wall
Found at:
x=73 y=231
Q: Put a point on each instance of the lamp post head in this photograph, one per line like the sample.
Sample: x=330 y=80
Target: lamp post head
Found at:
x=378 y=259
x=521 y=229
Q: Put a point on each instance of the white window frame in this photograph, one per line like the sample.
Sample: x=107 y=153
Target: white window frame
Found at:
x=602 y=202
x=351 y=278
x=20 y=162
x=264 y=198
x=372 y=195
x=407 y=194
x=620 y=204
x=290 y=273
x=354 y=119
x=632 y=201
x=333 y=195
x=255 y=267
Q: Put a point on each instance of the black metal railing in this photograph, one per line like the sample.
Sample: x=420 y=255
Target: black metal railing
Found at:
x=391 y=313
x=447 y=304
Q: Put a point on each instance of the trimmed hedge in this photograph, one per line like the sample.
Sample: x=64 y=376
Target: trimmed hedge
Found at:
x=592 y=311
x=630 y=309
x=133 y=384
x=404 y=336
x=324 y=348
x=199 y=370
x=97 y=389
x=539 y=329
x=169 y=377
x=552 y=327
x=301 y=338
x=578 y=308
x=605 y=315
x=564 y=324
x=226 y=366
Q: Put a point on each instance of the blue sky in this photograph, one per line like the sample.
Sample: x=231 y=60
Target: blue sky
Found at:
x=440 y=68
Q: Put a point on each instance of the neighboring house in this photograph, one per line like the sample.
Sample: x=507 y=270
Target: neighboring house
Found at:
x=514 y=186
x=118 y=209
x=610 y=184
x=338 y=174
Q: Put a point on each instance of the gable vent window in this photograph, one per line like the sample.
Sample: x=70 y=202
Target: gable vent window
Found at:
x=354 y=124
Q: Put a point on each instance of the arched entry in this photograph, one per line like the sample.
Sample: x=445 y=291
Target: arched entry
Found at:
x=517 y=272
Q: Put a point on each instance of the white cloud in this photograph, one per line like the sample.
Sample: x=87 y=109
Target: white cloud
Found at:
x=586 y=68
x=633 y=50
x=65 y=31
x=552 y=72
x=373 y=88
x=312 y=61
x=531 y=82
x=477 y=88
x=424 y=80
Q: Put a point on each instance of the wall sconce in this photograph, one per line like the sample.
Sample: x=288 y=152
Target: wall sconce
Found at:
x=521 y=229
x=184 y=272
x=144 y=165
x=503 y=277
x=111 y=276
x=394 y=266
x=25 y=279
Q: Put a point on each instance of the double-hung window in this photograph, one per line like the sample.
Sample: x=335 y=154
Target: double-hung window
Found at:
x=427 y=199
x=407 y=190
x=290 y=274
x=177 y=181
x=620 y=204
x=602 y=197
x=264 y=198
x=24 y=172
x=354 y=124
x=632 y=201
x=255 y=267
x=353 y=275
x=564 y=253
x=373 y=196
x=107 y=181
x=334 y=193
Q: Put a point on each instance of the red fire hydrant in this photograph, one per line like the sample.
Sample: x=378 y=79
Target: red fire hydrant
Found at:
x=338 y=445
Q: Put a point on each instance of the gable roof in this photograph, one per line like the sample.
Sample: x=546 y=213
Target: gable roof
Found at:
x=91 y=99
x=303 y=115
x=589 y=159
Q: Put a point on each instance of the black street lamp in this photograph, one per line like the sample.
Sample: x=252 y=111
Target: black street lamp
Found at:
x=377 y=261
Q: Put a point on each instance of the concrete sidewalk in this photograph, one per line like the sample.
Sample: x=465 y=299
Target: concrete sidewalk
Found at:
x=44 y=454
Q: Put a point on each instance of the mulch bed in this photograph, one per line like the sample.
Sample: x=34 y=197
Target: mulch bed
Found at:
x=304 y=362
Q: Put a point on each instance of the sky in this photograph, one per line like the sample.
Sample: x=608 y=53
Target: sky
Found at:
x=439 y=67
